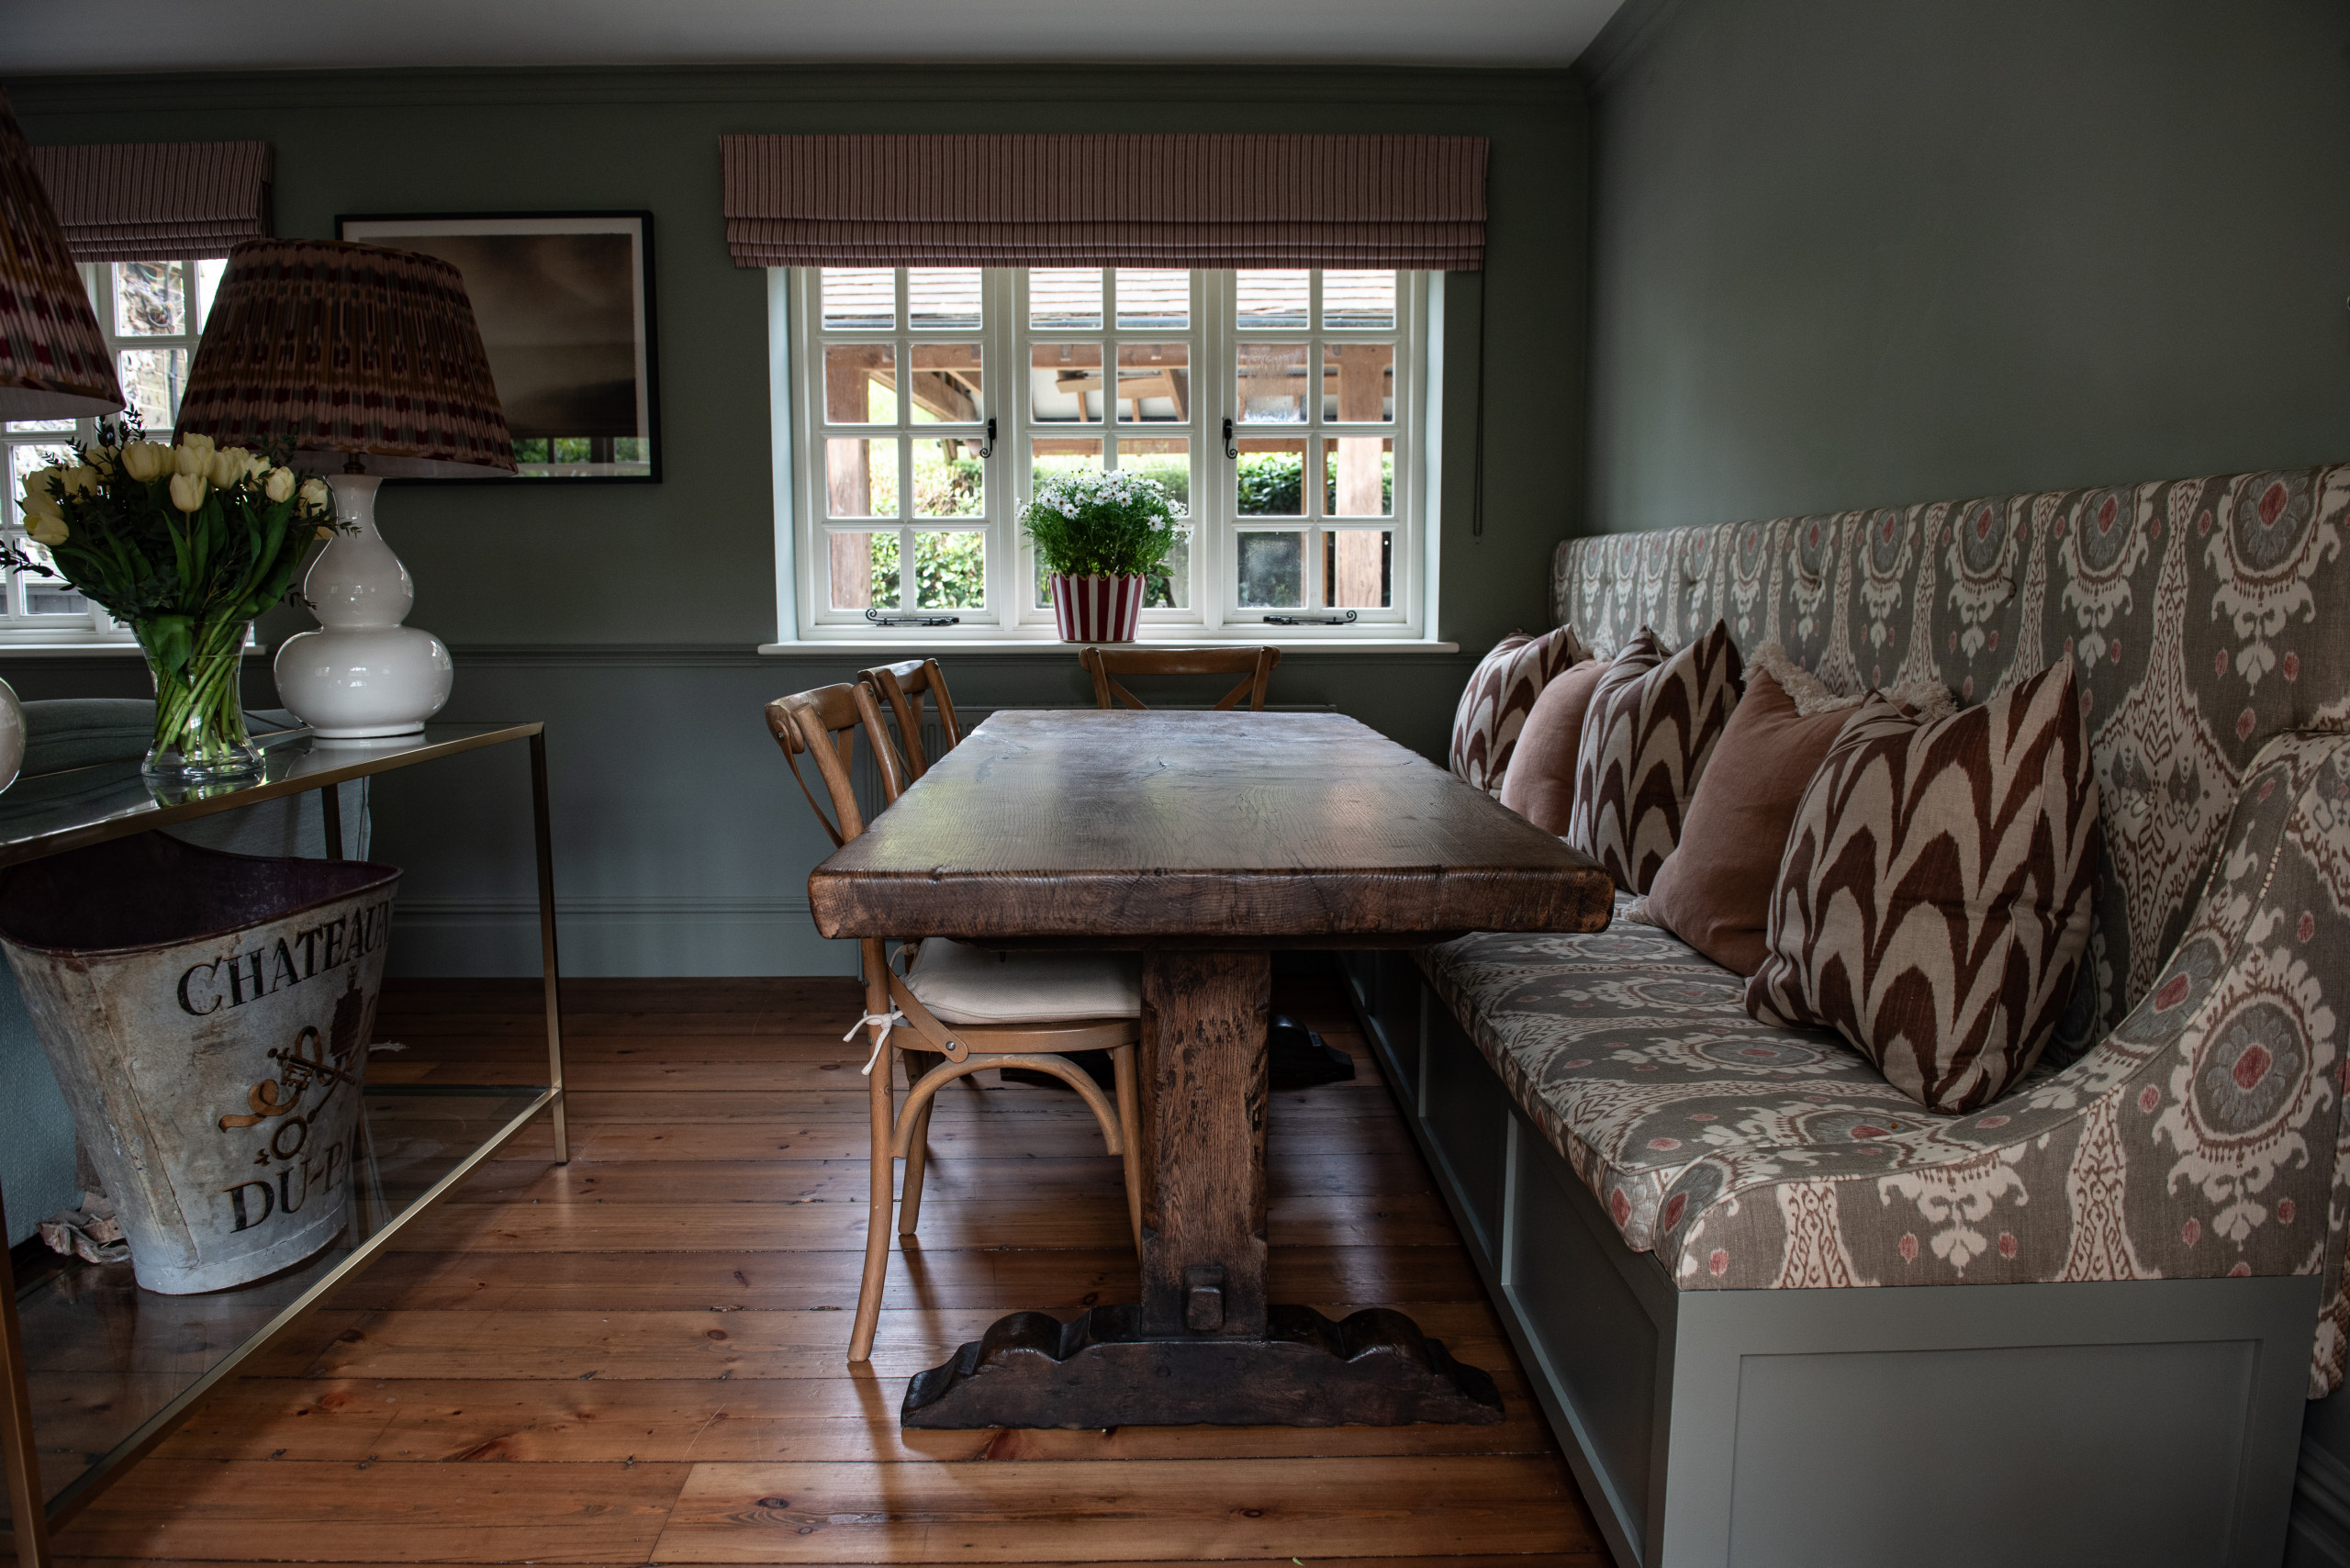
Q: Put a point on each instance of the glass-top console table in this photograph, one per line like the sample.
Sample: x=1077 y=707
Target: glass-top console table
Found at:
x=93 y=1371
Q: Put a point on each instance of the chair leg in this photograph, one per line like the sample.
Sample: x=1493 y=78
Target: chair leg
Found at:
x=878 y=1198
x=1121 y=1066
x=917 y=1161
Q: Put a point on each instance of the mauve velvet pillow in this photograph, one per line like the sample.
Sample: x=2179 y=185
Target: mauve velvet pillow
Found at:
x=1540 y=783
x=1714 y=890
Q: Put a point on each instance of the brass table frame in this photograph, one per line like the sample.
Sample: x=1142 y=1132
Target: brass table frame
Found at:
x=296 y=762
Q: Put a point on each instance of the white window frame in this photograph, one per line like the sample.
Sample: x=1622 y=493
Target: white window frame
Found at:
x=93 y=626
x=1214 y=339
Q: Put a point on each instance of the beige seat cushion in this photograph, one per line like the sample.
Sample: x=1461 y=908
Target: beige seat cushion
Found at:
x=963 y=984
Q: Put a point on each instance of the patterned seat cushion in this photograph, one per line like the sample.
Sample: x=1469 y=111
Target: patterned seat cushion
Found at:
x=1634 y=1055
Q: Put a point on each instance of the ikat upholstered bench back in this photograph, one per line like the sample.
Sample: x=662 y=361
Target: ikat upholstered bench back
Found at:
x=2207 y=615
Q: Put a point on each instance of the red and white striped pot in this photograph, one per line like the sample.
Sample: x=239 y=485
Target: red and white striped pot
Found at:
x=1097 y=609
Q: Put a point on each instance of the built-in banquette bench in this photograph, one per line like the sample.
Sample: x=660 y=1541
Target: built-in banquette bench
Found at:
x=1776 y=1312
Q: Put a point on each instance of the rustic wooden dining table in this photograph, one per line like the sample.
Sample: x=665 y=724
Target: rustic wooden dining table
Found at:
x=1206 y=840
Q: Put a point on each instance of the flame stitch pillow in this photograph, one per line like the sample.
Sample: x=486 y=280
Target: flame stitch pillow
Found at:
x=1935 y=897
x=1501 y=693
x=1653 y=724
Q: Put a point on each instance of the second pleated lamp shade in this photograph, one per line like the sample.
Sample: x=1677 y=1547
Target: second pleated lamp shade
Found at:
x=366 y=363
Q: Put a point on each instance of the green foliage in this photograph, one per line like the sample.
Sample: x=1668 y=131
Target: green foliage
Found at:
x=1272 y=483
x=1087 y=523
x=950 y=570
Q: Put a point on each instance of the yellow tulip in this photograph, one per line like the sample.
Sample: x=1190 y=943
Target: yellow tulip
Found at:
x=187 y=491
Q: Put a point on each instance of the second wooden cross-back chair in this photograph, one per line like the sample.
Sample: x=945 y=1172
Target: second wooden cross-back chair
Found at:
x=901 y=687
x=966 y=1008
x=1253 y=666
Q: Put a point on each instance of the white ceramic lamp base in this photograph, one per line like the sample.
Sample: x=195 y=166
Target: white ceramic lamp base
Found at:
x=362 y=674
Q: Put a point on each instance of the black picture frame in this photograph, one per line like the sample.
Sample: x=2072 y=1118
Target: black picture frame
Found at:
x=554 y=274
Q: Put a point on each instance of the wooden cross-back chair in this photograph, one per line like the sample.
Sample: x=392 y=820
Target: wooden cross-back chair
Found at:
x=820 y=727
x=1253 y=666
x=901 y=687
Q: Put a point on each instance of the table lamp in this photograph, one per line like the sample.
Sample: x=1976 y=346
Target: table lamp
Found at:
x=54 y=363
x=366 y=361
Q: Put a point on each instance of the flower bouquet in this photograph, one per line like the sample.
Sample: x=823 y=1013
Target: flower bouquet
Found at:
x=187 y=544
x=1098 y=537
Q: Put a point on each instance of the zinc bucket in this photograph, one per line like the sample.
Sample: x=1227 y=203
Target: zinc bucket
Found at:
x=207 y=1016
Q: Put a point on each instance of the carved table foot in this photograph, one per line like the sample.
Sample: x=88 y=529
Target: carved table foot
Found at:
x=1100 y=1369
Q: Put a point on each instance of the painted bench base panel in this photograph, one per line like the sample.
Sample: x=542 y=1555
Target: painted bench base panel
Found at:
x=2150 y=1423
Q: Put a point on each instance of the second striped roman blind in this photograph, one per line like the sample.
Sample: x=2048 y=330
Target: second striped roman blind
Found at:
x=1159 y=201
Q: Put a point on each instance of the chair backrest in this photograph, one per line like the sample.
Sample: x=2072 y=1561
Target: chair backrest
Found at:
x=1253 y=666
x=904 y=685
x=822 y=724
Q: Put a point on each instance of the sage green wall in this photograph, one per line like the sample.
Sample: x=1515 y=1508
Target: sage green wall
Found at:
x=626 y=615
x=1849 y=252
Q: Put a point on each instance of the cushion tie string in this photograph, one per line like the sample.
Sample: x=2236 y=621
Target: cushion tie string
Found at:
x=888 y=1021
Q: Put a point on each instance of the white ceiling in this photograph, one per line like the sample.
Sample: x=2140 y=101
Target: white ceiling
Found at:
x=48 y=36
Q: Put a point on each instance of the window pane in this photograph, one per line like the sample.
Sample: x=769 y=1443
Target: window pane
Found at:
x=149 y=300
x=861 y=383
x=1358 y=476
x=51 y=596
x=860 y=296
x=1269 y=474
x=1153 y=297
x=1272 y=298
x=208 y=283
x=946 y=384
x=1357 y=299
x=62 y=426
x=943 y=298
x=949 y=479
x=1358 y=568
x=861 y=478
x=1065 y=383
x=1166 y=459
x=1272 y=383
x=864 y=570
x=1359 y=382
x=1065 y=299
x=950 y=569
x=151 y=382
x=1272 y=570
x=1154 y=382
x=1059 y=454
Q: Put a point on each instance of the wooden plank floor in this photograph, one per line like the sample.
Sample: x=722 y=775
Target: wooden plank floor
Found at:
x=639 y=1357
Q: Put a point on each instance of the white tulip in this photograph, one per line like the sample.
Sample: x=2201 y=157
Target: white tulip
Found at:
x=229 y=464
x=146 y=461
x=315 y=493
x=49 y=530
x=190 y=461
x=82 y=481
x=279 y=485
x=187 y=491
x=41 y=494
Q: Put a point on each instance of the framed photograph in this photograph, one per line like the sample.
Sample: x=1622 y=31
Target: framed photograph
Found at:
x=565 y=301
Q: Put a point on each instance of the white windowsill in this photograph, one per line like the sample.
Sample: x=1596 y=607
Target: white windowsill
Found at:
x=941 y=647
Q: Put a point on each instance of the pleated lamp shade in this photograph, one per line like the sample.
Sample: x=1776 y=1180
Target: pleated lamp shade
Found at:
x=343 y=352
x=53 y=362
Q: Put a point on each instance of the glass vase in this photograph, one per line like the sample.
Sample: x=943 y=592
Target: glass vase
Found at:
x=199 y=713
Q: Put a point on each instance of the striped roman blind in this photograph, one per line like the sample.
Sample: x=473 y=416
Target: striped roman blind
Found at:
x=140 y=201
x=1159 y=201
